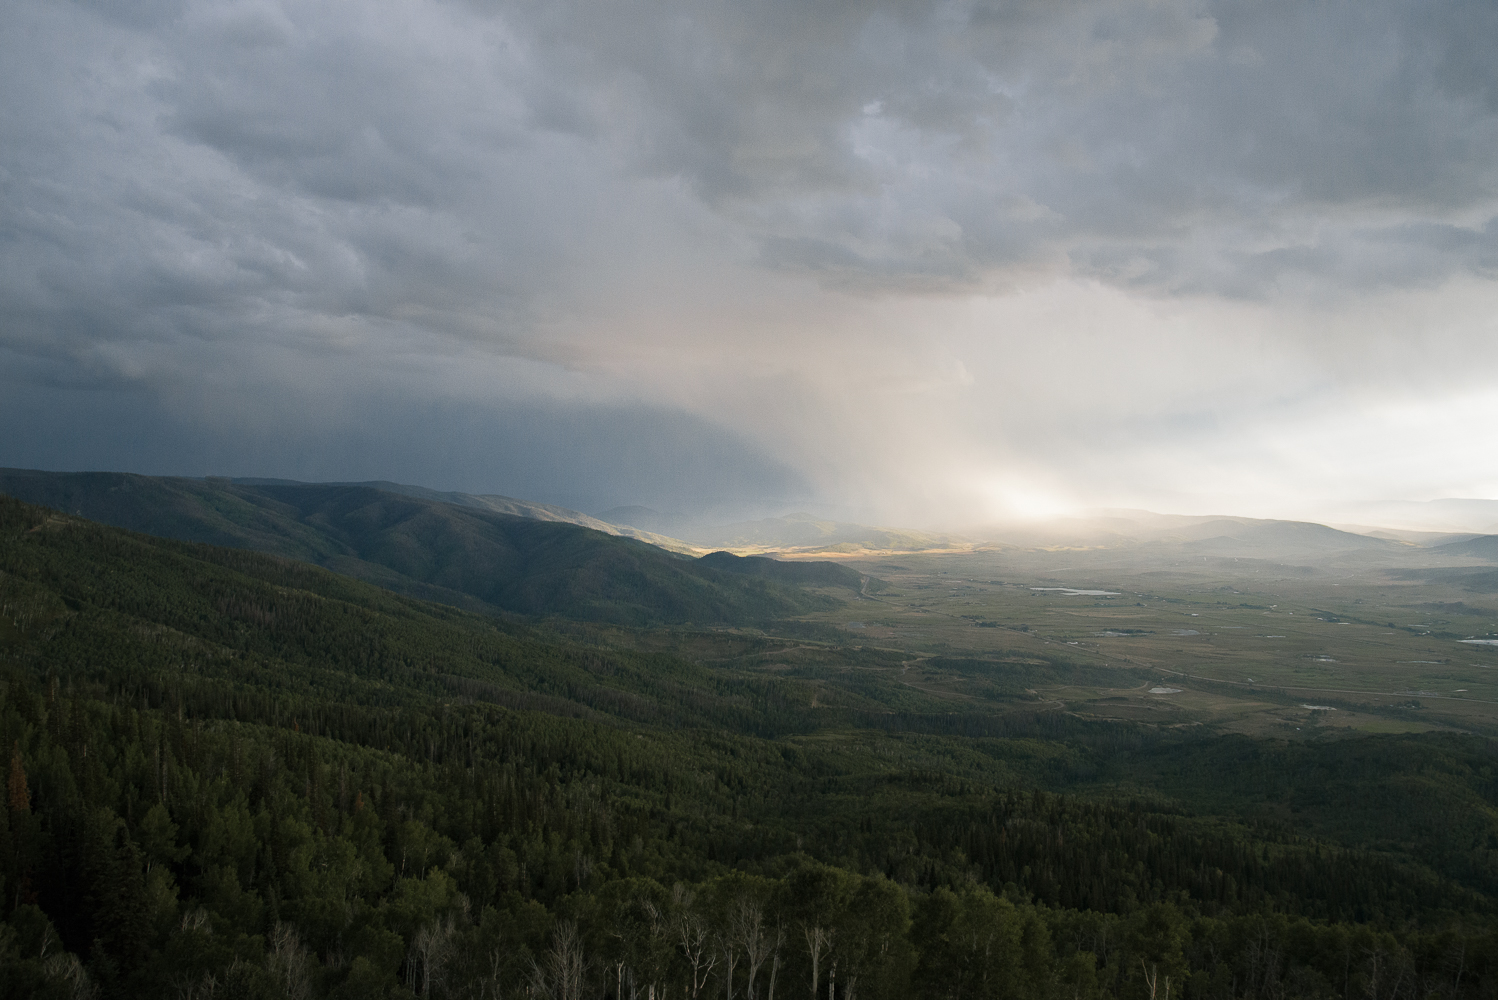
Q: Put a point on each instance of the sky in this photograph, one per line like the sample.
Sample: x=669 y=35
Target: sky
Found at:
x=927 y=263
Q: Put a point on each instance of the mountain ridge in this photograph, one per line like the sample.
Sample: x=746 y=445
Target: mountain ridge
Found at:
x=799 y=532
x=466 y=555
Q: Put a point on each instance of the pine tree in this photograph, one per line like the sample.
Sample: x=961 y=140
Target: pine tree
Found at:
x=20 y=793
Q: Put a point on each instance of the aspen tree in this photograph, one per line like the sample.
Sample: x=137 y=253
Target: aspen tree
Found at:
x=695 y=939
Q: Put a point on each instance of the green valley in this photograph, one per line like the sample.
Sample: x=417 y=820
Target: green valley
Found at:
x=234 y=773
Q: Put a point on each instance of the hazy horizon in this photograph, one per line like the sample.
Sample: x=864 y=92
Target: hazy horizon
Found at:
x=720 y=524
x=927 y=264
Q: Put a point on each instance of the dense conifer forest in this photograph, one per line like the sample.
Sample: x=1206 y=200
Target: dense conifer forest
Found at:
x=235 y=775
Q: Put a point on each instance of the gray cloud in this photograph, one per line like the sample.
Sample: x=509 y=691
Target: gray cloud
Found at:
x=586 y=457
x=949 y=140
x=679 y=214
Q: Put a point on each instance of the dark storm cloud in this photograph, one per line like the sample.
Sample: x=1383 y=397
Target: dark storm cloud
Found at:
x=585 y=457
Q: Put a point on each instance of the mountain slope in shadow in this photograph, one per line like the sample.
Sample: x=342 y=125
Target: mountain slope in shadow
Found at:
x=463 y=555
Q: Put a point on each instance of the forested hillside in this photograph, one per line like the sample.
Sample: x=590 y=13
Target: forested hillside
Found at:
x=231 y=774
x=458 y=554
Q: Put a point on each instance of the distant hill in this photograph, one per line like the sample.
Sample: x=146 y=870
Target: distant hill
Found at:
x=1235 y=536
x=645 y=519
x=1481 y=547
x=810 y=574
x=1477 y=579
x=804 y=532
x=464 y=554
x=535 y=512
x=1202 y=535
x=1425 y=539
x=1449 y=515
